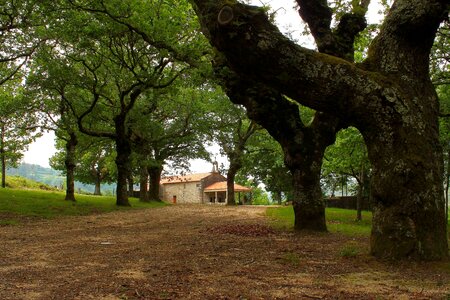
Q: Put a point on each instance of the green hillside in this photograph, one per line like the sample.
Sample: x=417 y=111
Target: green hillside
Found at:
x=53 y=178
x=18 y=182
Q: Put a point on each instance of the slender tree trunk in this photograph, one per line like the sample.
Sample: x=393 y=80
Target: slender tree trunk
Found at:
x=130 y=185
x=143 y=183
x=3 y=168
x=155 y=178
x=231 y=175
x=277 y=197
x=447 y=179
x=97 y=190
x=70 y=163
x=2 y=155
x=359 y=197
x=122 y=175
x=123 y=149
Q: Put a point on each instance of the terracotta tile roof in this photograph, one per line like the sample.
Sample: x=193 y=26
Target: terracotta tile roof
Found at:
x=221 y=186
x=185 y=178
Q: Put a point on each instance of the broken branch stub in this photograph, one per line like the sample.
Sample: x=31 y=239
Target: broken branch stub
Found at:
x=225 y=15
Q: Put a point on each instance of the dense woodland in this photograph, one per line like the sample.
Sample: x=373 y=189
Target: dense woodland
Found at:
x=134 y=88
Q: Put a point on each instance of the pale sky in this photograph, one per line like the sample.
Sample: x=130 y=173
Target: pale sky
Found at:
x=288 y=20
x=41 y=150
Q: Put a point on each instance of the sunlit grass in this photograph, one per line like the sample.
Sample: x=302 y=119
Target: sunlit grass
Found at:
x=338 y=220
x=17 y=182
x=18 y=204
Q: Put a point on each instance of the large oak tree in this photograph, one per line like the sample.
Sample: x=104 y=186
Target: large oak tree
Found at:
x=389 y=97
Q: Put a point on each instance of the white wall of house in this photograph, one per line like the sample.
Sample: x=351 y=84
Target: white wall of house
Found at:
x=187 y=192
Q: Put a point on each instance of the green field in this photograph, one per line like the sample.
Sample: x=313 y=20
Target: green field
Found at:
x=19 y=204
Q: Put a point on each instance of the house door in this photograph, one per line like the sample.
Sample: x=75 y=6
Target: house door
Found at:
x=174 y=199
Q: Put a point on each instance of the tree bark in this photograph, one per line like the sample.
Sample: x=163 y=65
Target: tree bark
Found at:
x=447 y=185
x=389 y=98
x=295 y=134
x=407 y=194
x=123 y=149
x=97 y=190
x=3 y=155
x=70 y=163
x=303 y=146
x=130 y=185
x=231 y=175
x=154 y=173
x=360 y=195
x=305 y=164
x=143 y=183
x=277 y=197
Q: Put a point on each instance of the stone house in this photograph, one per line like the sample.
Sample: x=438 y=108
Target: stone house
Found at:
x=198 y=188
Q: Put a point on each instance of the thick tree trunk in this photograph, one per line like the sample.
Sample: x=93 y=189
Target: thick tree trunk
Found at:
x=303 y=146
x=70 y=163
x=407 y=195
x=389 y=98
x=143 y=185
x=308 y=203
x=154 y=173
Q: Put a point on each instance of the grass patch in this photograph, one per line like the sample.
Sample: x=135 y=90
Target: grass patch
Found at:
x=282 y=217
x=15 y=205
x=7 y=222
x=291 y=258
x=344 y=221
x=350 y=249
x=338 y=220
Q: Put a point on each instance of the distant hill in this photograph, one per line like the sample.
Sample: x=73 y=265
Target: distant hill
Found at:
x=53 y=178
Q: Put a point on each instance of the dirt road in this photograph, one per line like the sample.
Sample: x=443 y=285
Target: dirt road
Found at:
x=198 y=252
